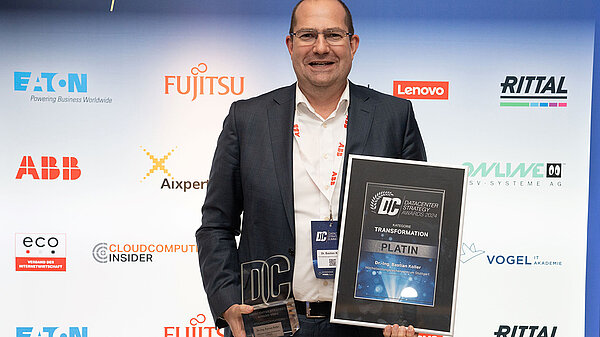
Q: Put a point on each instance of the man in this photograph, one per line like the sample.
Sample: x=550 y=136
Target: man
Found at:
x=280 y=160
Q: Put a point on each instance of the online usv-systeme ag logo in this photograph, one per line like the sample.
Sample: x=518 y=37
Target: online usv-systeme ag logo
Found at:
x=515 y=174
x=385 y=203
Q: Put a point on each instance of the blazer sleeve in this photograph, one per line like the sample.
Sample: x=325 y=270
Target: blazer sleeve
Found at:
x=413 y=147
x=217 y=251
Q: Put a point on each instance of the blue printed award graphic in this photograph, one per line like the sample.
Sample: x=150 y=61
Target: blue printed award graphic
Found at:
x=399 y=244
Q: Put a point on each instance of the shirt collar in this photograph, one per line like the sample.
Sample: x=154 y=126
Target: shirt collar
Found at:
x=303 y=105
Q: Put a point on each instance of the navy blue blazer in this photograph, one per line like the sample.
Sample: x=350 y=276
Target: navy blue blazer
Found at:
x=252 y=173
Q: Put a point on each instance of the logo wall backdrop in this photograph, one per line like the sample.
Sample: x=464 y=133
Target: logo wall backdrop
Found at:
x=109 y=123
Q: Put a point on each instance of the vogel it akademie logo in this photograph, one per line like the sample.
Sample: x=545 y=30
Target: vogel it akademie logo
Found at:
x=471 y=252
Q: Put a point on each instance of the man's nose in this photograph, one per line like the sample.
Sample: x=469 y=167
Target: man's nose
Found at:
x=321 y=46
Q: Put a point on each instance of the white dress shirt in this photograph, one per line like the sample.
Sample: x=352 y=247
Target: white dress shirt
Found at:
x=318 y=156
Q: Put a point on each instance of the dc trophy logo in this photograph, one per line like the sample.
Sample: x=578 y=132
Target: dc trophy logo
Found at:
x=267 y=285
x=321 y=236
x=384 y=202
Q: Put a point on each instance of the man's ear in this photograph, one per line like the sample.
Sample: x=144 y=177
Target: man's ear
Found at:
x=289 y=43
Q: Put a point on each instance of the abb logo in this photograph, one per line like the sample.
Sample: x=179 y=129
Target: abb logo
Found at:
x=421 y=89
x=49 y=169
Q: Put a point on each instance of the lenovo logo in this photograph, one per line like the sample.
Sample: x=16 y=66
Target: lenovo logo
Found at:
x=421 y=89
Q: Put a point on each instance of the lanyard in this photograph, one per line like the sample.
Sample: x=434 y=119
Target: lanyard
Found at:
x=300 y=136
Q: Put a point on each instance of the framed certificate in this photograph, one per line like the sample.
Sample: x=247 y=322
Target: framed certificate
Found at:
x=400 y=237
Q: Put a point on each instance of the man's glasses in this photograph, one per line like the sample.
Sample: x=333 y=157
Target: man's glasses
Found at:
x=310 y=36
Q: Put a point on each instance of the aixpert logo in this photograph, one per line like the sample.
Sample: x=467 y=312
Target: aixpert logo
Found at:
x=43 y=87
x=201 y=82
x=195 y=328
x=469 y=252
x=515 y=174
x=104 y=252
x=526 y=330
x=159 y=166
x=49 y=169
x=31 y=331
x=533 y=91
x=41 y=252
x=421 y=89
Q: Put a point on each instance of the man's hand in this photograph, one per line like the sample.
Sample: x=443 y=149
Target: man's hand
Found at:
x=233 y=316
x=399 y=331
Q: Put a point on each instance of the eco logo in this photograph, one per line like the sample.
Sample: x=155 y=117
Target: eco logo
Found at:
x=539 y=91
x=40 y=252
x=201 y=83
x=421 y=89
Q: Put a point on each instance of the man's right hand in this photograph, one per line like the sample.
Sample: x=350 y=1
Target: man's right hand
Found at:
x=233 y=316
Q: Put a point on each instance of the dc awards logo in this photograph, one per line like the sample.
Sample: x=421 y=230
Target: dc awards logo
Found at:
x=40 y=252
x=385 y=203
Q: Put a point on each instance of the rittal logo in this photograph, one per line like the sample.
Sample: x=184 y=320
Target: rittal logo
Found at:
x=49 y=82
x=385 y=203
x=40 y=252
x=421 y=89
x=29 y=331
x=49 y=169
x=526 y=330
x=533 y=91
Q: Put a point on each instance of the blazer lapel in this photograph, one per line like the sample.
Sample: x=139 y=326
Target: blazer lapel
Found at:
x=281 y=119
x=360 y=118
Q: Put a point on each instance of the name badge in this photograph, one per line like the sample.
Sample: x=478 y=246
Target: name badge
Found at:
x=324 y=248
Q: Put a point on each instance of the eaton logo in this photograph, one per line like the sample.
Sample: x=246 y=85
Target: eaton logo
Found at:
x=49 y=82
x=52 y=332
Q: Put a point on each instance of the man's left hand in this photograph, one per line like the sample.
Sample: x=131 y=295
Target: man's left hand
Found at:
x=399 y=331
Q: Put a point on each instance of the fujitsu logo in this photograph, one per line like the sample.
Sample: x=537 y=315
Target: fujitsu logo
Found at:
x=199 y=83
x=48 y=170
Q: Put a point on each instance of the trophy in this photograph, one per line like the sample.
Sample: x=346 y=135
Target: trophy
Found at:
x=267 y=286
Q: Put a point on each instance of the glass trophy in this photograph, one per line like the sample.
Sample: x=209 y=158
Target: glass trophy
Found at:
x=267 y=286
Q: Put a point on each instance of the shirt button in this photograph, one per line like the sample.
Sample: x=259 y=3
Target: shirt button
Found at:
x=325 y=125
x=325 y=283
x=325 y=156
x=326 y=187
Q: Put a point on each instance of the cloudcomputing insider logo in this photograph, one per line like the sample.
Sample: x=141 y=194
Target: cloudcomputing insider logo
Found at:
x=469 y=252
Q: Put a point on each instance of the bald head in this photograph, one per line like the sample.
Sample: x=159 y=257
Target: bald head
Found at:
x=347 y=19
